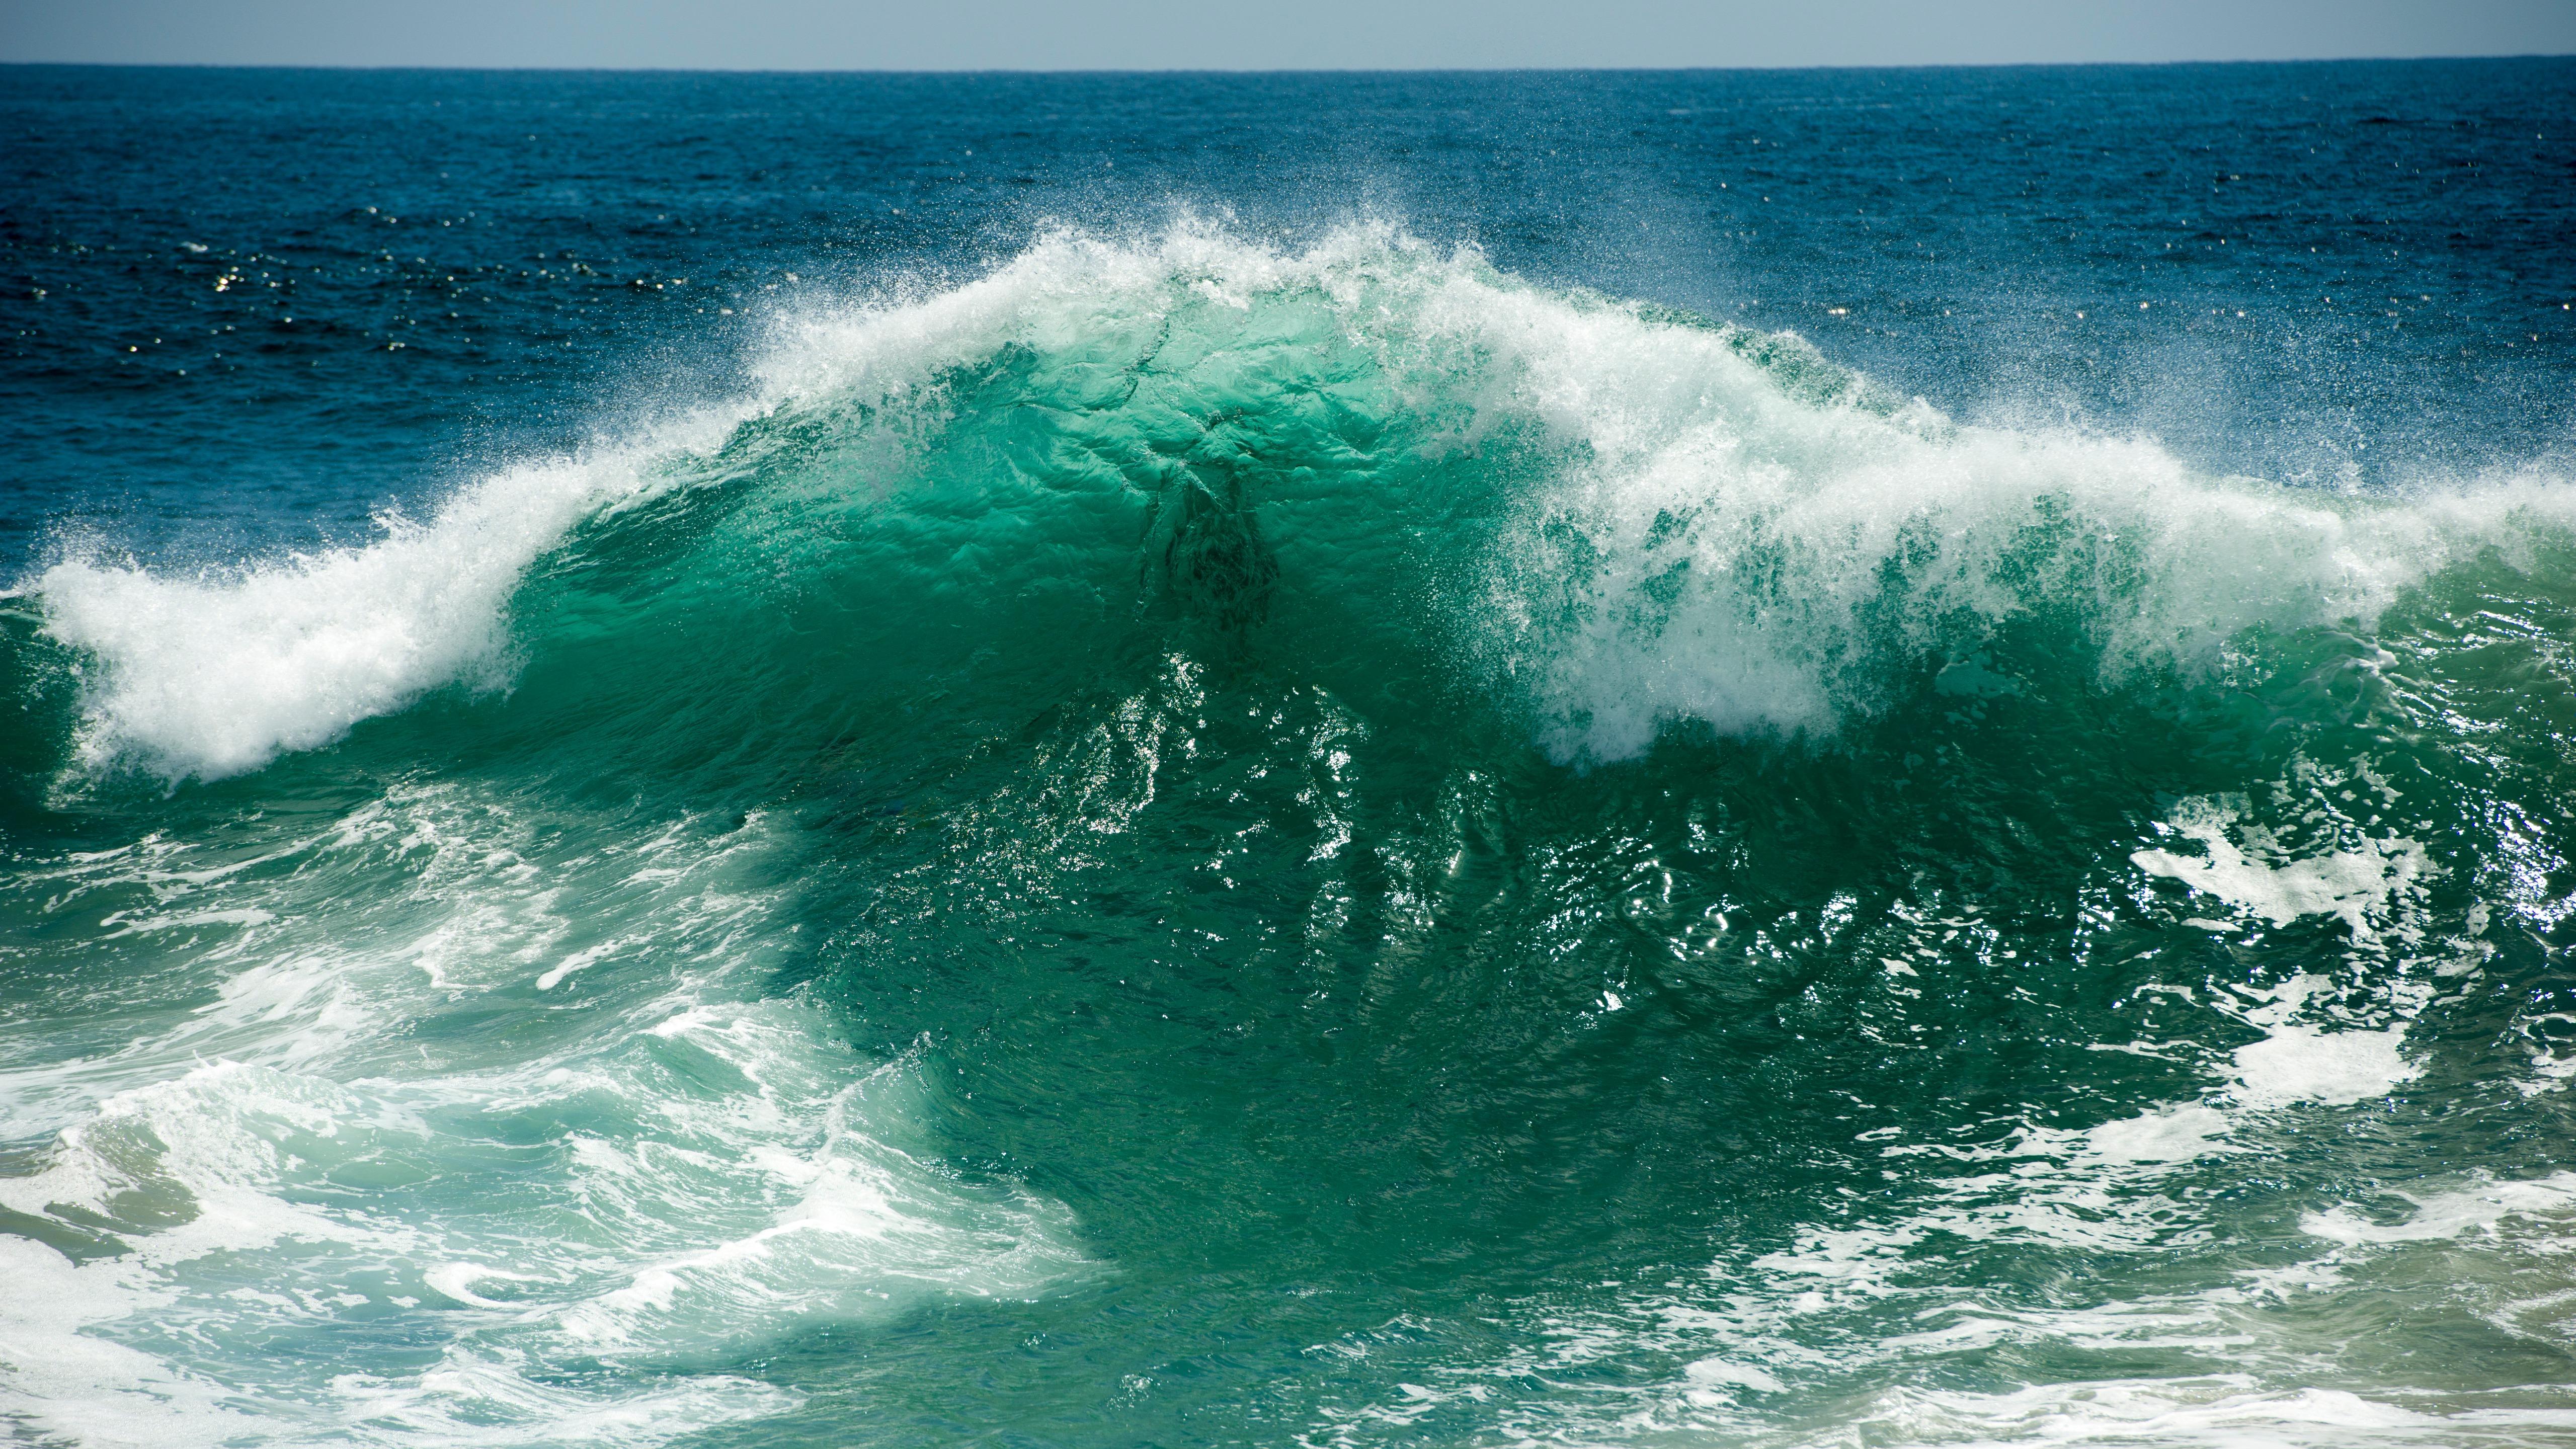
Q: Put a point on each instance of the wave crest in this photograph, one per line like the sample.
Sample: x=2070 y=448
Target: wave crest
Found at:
x=1621 y=518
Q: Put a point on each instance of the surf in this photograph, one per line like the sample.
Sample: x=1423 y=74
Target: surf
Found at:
x=956 y=828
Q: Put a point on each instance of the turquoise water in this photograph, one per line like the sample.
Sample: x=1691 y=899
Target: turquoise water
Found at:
x=1233 y=831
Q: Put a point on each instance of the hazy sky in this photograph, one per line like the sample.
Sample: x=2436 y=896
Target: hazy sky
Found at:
x=1167 y=34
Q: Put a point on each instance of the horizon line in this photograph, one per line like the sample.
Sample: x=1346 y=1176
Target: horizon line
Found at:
x=998 y=70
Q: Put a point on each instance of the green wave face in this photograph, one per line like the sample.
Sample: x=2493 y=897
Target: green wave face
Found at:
x=1186 y=844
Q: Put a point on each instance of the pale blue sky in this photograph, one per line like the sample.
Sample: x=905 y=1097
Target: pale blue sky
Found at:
x=1285 y=34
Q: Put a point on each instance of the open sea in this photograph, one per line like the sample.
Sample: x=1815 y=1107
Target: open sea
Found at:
x=1771 y=759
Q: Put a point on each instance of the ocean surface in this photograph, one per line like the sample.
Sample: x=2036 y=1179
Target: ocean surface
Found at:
x=1864 y=758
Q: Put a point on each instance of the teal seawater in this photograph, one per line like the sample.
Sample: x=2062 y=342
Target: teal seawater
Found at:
x=1376 y=789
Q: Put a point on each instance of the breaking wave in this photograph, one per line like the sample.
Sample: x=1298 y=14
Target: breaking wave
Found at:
x=1607 y=518
x=1840 y=892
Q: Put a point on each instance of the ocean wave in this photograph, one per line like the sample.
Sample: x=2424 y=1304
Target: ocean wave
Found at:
x=1613 y=518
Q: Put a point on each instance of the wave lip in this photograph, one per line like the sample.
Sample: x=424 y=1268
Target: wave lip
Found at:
x=218 y=675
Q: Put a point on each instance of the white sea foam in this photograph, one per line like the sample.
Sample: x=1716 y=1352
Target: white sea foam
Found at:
x=712 y=1171
x=2224 y=1411
x=2477 y=1207
x=2299 y=1063
x=2363 y=881
x=2348 y=883
x=2170 y=1134
x=1859 y=1322
x=106 y=1392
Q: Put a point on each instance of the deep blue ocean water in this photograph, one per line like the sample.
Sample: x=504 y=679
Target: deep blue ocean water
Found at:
x=1785 y=758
